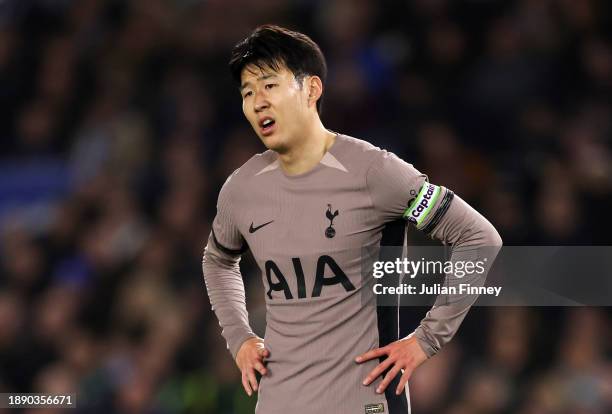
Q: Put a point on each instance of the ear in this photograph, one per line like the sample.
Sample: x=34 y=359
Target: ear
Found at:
x=315 y=89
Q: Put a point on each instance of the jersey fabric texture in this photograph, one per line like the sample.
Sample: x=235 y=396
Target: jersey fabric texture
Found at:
x=306 y=233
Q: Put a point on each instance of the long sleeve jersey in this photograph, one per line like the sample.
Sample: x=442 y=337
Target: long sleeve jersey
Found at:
x=306 y=233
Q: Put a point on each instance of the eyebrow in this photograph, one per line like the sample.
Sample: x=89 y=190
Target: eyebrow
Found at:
x=263 y=77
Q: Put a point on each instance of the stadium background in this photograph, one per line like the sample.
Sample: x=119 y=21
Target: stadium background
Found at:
x=120 y=122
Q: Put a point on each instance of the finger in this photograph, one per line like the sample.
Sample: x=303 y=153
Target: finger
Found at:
x=246 y=385
x=260 y=368
x=375 y=373
x=385 y=382
x=374 y=353
x=403 y=381
x=263 y=352
x=252 y=379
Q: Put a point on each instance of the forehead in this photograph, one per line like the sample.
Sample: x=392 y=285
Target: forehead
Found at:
x=254 y=72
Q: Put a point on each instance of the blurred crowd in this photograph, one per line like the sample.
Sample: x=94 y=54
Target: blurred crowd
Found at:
x=120 y=122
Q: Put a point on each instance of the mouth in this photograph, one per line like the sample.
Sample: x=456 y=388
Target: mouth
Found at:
x=267 y=125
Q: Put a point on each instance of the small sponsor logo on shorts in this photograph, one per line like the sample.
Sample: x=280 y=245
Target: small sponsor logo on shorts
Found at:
x=374 y=408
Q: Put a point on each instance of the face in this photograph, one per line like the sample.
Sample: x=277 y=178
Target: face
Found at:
x=276 y=105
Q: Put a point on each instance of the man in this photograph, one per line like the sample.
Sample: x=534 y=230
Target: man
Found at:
x=305 y=208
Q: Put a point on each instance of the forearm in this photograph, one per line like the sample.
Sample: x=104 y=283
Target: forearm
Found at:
x=472 y=238
x=227 y=296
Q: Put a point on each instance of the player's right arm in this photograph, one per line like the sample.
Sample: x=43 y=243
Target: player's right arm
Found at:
x=221 y=268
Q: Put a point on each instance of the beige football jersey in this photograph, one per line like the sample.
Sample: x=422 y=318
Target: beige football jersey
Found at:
x=306 y=233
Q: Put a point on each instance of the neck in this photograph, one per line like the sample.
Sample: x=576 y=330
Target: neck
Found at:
x=308 y=151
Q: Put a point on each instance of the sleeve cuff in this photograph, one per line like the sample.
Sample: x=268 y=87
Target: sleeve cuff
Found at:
x=428 y=344
x=235 y=344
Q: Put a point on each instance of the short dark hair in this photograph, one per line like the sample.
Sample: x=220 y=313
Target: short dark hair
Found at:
x=271 y=46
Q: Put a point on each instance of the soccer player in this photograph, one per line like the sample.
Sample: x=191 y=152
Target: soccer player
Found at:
x=305 y=208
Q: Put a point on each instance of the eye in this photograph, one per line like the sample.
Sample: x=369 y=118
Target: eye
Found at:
x=271 y=85
x=247 y=94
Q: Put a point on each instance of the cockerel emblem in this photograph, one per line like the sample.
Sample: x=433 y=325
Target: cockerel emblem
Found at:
x=330 y=231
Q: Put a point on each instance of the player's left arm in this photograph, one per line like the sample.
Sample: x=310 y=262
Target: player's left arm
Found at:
x=443 y=215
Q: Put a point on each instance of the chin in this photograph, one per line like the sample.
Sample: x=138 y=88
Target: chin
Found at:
x=274 y=143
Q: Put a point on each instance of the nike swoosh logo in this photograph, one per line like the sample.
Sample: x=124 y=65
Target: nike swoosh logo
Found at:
x=254 y=229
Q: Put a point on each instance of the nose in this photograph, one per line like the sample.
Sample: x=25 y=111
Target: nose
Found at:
x=260 y=102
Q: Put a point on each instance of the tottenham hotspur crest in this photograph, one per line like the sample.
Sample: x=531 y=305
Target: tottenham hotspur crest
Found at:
x=330 y=231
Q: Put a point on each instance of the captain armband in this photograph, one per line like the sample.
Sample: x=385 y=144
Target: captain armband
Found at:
x=422 y=207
